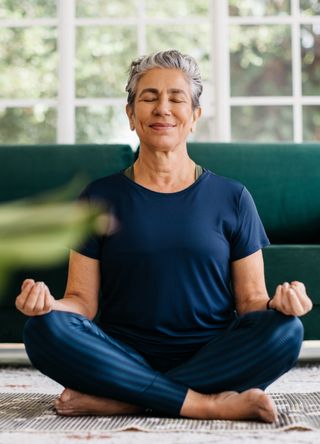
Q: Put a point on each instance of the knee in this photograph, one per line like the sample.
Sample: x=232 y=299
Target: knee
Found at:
x=43 y=332
x=287 y=331
x=38 y=326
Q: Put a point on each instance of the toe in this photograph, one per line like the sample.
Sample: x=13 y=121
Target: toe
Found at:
x=66 y=395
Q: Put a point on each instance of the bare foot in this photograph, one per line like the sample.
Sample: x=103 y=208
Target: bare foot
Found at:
x=72 y=403
x=250 y=404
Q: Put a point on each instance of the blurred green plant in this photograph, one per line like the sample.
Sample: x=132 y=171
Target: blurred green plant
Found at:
x=39 y=231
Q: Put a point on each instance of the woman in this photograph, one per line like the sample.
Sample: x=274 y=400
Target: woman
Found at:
x=186 y=325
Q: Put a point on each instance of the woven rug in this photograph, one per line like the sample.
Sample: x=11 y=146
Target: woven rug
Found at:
x=33 y=412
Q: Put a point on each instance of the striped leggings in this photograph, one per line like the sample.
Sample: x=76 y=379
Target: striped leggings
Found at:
x=254 y=351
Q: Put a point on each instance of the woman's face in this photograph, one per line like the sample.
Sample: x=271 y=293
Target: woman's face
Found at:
x=162 y=113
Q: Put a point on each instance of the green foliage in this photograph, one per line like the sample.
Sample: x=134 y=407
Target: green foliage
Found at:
x=259 y=8
x=311 y=123
x=103 y=57
x=103 y=8
x=310 y=55
x=310 y=7
x=190 y=40
x=28 y=62
x=17 y=9
x=28 y=125
x=260 y=60
x=177 y=8
x=262 y=123
x=101 y=124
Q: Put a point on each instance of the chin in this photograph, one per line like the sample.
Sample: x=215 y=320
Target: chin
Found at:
x=164 y=145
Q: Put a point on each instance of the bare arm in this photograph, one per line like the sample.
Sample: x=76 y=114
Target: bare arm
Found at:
x=251 y=293
x=81 y=295
x=249 y=283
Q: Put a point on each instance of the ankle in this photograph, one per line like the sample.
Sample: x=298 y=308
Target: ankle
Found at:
x=196 y=405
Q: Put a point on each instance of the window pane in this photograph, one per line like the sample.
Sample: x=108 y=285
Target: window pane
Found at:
x=311 y=123
x=260 y=60
x=103 y=58
x=28 y=62
x=103 y=8
x=310 y=54
x=28 y=125
x=203 y=131
x=177 y=8
x=189 y=40
x=259 y=8
x=103 y=124
x=16 y=9
x=310 y=7
x=262 y=123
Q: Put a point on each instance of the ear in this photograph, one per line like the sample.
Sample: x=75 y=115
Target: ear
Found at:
x=195 y=116
x=130 y=114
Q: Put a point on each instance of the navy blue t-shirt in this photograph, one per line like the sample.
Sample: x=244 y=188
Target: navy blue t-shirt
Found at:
x=166 y=269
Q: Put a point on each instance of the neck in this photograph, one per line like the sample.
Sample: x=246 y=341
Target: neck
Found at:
x=164 y=171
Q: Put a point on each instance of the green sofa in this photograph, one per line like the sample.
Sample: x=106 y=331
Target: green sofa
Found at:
x=284 y=180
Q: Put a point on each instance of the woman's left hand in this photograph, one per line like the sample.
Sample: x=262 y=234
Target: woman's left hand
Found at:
x=291 y=299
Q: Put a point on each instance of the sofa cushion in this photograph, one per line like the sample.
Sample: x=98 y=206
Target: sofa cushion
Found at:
x=284 y=180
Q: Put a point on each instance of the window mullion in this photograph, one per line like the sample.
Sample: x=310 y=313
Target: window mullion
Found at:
x=66 y=89
x=142 y=41
x=221 y=68
x=296 y=71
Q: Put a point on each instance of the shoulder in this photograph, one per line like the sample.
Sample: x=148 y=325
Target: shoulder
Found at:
x=102 y=187
x=228 y=185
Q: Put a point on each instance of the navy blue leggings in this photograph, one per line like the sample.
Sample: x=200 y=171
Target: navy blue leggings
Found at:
x=254 y=351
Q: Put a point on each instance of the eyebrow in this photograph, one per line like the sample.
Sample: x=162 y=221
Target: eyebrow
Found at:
x=156 y=91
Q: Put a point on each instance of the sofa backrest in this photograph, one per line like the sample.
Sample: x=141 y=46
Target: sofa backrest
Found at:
x=30 y=169
x=284 y=180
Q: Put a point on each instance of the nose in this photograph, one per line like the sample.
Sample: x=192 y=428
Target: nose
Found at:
x=162 y=107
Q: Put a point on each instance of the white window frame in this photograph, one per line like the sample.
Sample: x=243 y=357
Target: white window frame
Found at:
x=222 y=101
x=296 y=100
x=66 y=23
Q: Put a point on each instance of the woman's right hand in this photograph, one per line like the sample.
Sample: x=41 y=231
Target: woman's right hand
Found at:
x=35 y=298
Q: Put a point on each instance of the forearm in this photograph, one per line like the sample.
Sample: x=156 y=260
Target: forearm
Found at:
x=74 y=304
x=256 y=304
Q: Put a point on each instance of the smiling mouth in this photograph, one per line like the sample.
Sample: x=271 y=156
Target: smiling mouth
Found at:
x=162 y=126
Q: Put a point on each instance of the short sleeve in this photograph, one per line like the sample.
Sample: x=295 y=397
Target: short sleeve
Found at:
x=91 y=247
x=249 y=235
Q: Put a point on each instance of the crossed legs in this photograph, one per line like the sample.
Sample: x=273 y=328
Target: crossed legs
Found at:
x=106 y=376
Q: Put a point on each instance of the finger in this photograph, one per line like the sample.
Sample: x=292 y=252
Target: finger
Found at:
x=282 y=289
x=285 y=304
x=39 y=305
x=278 y=291
x=48 y=300
x=296 y=308
x=304 y=299
x=300 y=285
x=32 y=298
x=22 y=297
x=27 y=283
x=276 y=300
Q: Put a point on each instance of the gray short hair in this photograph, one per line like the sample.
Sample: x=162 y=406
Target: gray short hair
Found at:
x=170 y=59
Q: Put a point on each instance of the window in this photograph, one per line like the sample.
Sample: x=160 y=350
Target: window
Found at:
x=64 y=66
x=28 y=66
x=274 y=70
x=83 y=99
